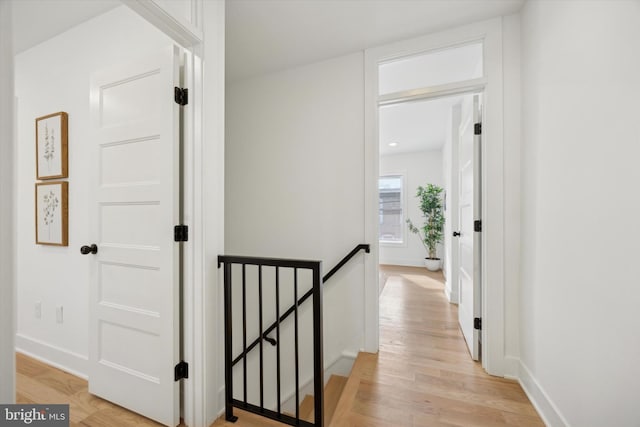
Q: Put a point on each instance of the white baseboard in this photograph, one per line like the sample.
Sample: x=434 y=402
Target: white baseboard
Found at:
x=451 y=297
x=512 y=368
x=73 y=363
x=221 y=402
x=341 y=366
x=548 y=411
x=403 y=262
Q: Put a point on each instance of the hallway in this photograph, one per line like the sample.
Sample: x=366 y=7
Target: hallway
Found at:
x=423 y=374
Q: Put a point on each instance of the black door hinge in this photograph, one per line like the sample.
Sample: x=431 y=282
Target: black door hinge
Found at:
x=181 y=95
x=477 y=129
x=181 y=233
x=477 y=323
x=477 y=225
x=181 y=370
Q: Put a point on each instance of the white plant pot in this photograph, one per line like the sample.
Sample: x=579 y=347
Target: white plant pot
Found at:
x=432 y=264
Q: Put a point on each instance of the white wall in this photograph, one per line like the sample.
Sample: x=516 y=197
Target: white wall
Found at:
x=512 y=128
x=54 y=76
x=419 y=168
x=294 y=180
x=7 y=210
x=209 y=199
x=579 y=297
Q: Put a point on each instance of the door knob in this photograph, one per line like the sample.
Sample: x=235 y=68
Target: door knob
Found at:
x=86 y=250
x=456 y=234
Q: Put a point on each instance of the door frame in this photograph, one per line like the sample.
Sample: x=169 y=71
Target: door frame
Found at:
x=203 y=37
x=8 y=293
x=493 y=259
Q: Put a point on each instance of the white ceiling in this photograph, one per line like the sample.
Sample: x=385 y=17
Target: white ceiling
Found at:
x=269 y=35
x=35 y=21
x=415 y=126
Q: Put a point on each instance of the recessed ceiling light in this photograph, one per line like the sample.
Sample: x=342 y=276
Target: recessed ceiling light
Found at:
x=393 y=144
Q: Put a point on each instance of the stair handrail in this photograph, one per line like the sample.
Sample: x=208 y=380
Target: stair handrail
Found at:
x=231 y=401
x=334 y=270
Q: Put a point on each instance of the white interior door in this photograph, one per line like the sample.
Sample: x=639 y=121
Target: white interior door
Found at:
x=134 y=306
x=469 y=306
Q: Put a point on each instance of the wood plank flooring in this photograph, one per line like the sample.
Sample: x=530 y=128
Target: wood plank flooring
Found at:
x=423 y=374
x=39 y=383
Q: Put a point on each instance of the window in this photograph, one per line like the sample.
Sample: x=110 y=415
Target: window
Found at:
x=441 y=67
x=390 y=209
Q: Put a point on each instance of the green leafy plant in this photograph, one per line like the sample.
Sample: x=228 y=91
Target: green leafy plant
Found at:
x=431 y=205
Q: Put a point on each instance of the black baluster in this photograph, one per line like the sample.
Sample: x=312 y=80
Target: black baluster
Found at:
x=318 y=368
x=228 y=342
x=278 y=337
x=260 y=322
x=295 y=298
x=244 y=330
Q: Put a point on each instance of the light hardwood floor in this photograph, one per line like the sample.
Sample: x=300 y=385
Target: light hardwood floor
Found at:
x=39 y=383
x=423 y=374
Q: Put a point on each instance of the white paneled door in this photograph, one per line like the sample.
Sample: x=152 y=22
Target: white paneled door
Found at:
x=470 y=306
x=134 y=342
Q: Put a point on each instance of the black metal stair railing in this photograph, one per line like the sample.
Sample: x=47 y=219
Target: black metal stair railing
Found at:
x=318 y=366
x=304 y=297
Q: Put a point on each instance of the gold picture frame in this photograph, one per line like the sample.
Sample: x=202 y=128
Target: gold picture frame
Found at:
x=52 y=146
x=52 y=213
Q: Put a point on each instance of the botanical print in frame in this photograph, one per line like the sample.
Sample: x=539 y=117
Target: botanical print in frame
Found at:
x=52 y=213
x=51 y=146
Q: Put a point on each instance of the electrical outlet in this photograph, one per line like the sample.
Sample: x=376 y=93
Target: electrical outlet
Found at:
x=59 y=314
x=37 y=310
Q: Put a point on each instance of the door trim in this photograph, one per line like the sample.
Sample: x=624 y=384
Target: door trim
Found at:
x=8 y=127
x=433 y=92
x=185 y=32
x=490 y=32
x=203 y=37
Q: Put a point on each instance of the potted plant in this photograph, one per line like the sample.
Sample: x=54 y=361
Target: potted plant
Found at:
x=432 y=232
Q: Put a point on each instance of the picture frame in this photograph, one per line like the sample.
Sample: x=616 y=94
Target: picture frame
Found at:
x=52 y=213
x=52 y=146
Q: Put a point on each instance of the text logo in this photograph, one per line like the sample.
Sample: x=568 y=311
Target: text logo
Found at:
x=34 y=415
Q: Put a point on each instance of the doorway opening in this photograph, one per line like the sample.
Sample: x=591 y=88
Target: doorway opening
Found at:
x=428 y=110
x=185 y=25
x=133 y=272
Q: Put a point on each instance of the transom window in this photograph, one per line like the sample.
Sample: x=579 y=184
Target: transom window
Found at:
x=440 y=67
